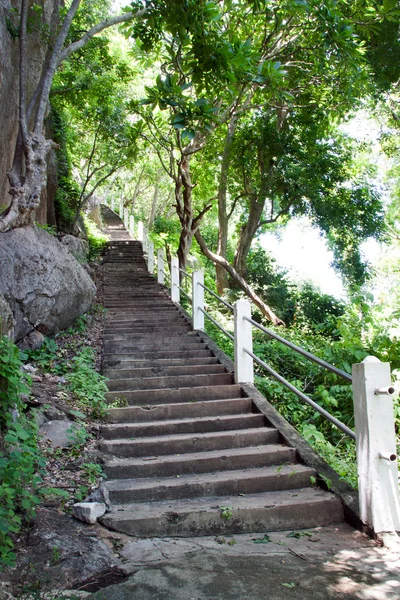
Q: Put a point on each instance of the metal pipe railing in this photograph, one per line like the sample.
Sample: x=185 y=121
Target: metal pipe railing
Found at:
x=303 y=396
x=217 y=297
x=185 y=273
x=229 y=335
x=185 y=294
x=301 y=351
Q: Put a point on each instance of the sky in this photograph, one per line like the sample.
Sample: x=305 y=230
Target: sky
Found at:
x=304 y=254
x=302 y=251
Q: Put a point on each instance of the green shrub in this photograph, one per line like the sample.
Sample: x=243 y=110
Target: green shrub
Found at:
x=20 y=459
x=96 y=238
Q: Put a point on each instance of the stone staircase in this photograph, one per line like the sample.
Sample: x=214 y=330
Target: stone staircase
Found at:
x=188 y=453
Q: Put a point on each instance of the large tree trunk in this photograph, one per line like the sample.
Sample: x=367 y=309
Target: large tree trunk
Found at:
x=223 y=220
x=265 y=309
x=26 y=191
x=183 y=196
x=154 y=203
x=28 y=173
x=247 y=234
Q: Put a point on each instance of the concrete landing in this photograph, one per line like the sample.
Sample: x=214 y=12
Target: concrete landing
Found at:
x=333 y=563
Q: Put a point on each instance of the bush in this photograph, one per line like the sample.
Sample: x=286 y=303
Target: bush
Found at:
x=20 y=459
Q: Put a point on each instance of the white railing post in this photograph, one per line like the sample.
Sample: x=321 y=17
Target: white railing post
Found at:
x=198 y=300
x=121 y=209
x=378 y=488
x=150 y=257
x=140 y=231
x=113 y=204
x=145 y=239
x=132 y=227
x=175 y=291
x=160 y=266
x=244 y=369
x=126 y=218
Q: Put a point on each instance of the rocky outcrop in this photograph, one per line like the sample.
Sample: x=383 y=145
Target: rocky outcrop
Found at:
x=62 y=554
x=78 y=247
x=44 y=285
x=6 y=319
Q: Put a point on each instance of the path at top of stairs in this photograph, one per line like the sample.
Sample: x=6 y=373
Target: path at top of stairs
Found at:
x=187 y=452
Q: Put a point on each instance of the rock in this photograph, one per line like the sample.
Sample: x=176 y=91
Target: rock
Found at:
x=79 y=248
x=60 y=433
x=39 y=417
x=28 y=368
x=88 y=512
x=100 y=495
x=6 y=319
x=44 y=285
x=65 y=554
x=54 y=414
x=32 y=341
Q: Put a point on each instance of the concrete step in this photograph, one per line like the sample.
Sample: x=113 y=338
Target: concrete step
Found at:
x=199 y=462
x=221 y=483
x=181 y=370
x=145 y=336
x=181 y=410
x=111 y=364
x=158 y=355
x=154 y=350
x=177 y=426
x=172 y=381
x=160 y=396
x=133 y=345
x=184 y=443
x=268 y=511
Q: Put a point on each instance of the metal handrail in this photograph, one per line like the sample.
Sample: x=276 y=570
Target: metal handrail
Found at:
x=185 y=294
x=300 y=350
x=303 y=396
x=217 y=297
x=166 y=274
x=185 y=273
x=229 y=335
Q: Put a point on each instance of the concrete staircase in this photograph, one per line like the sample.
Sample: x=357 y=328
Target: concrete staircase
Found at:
x=188 y=452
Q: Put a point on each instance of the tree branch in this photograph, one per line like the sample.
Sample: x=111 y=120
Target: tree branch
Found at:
x=219 y=260
x=96 y=29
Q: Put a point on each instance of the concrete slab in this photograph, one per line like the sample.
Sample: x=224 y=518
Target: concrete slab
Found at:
x=333 y=563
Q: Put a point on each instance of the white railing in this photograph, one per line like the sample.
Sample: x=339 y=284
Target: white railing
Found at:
x=379 y=499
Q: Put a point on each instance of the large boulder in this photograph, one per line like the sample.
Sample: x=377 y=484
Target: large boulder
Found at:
x=44 y=285
x=78 y=247
x=6 y=319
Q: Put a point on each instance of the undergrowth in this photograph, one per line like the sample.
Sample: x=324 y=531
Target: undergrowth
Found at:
x=20 y=459
x=23 y=459
x=96 y=238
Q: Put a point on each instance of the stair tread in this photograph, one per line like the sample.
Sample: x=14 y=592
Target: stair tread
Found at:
x=217 y=418
x=280 y=471
x=261 y=500
x=190 y=436
x=207 y=455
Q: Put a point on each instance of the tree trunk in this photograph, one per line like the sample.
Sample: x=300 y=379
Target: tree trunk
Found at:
x=183 y=196
x=155 y=201
x=247 y=234
x=26 y=191
x=223 y=221
x=265 y=309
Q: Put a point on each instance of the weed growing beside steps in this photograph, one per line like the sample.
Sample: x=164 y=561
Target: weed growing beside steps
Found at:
x=20 y=459
x=62 y=380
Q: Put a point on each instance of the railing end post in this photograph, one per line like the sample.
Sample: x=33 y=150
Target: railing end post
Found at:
x=378 y=488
